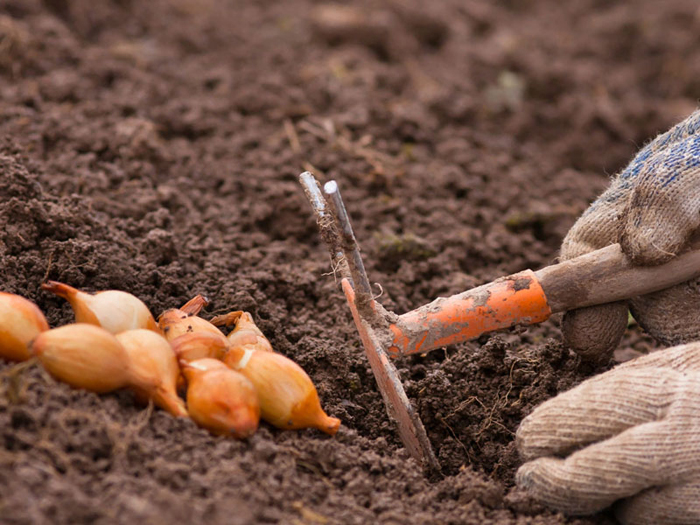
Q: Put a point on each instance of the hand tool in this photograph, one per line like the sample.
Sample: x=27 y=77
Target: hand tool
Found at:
x=524 y=298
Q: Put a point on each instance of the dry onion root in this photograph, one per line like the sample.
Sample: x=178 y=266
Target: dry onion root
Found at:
x=288 y=398
x=179 y=321
x=113 y=310
x=84 y=356
x=221 y=400
x=20 y=322
x=246 y=334
x=154 y=369
x=199 y=345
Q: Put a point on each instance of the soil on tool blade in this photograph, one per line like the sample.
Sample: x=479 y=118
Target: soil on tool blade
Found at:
x=154 y=147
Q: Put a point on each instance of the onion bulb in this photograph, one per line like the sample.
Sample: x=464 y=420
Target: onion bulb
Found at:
x=20 y=322
x=221 y=400
x=198 y=345
x=113 y=310
x=246 y=335
x=154 y=369
x=288 y=398
x=178 y=321
x=84 y=356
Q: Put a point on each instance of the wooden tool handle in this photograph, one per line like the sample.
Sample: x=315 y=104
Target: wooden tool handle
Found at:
x=607 y=275
x=508 y=301
x=600 y=277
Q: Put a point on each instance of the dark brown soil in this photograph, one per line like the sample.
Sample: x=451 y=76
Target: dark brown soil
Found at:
x=154 y=147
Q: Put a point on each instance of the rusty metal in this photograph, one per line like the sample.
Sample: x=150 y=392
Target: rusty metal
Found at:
x=398 y=406
x=336 y=231
x=325 y=221
x=350 y=247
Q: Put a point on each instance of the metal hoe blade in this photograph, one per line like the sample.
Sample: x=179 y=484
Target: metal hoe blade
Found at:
x=337 y=233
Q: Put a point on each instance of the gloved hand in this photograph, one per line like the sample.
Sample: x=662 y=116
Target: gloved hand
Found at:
x=652 y=209
x=630 y=434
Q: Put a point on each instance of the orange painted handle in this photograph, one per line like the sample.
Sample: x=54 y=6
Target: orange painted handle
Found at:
x=516 y=299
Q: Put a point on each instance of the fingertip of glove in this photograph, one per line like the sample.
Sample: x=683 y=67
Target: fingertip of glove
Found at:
x=534 y=475
x=544 y=480
x=659 y=219
x=645 y=247
x=595 y=332
x=521 y=438
x=523 y=476
x=526 y=440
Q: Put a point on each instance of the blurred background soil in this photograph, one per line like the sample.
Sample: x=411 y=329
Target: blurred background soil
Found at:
x=154 y=147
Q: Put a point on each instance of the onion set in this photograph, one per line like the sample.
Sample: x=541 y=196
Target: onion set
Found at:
x=113 y=310
x=84 y=356
x=246 y=334
x=221 y=400
x=198 y=345
x=232 y=381
x=20 y=322
x=154 y=369
x=179 y=321
x=288 y=398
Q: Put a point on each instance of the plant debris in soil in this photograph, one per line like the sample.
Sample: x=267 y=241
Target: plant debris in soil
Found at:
x=154 y=147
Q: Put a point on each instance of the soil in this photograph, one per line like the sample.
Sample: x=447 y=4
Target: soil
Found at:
x=154 y=147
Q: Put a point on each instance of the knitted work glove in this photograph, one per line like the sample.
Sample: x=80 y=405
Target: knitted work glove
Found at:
x=652 y=209
x=630 y=434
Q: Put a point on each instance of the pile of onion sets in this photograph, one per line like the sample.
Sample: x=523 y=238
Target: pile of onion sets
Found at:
x=228 y=382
